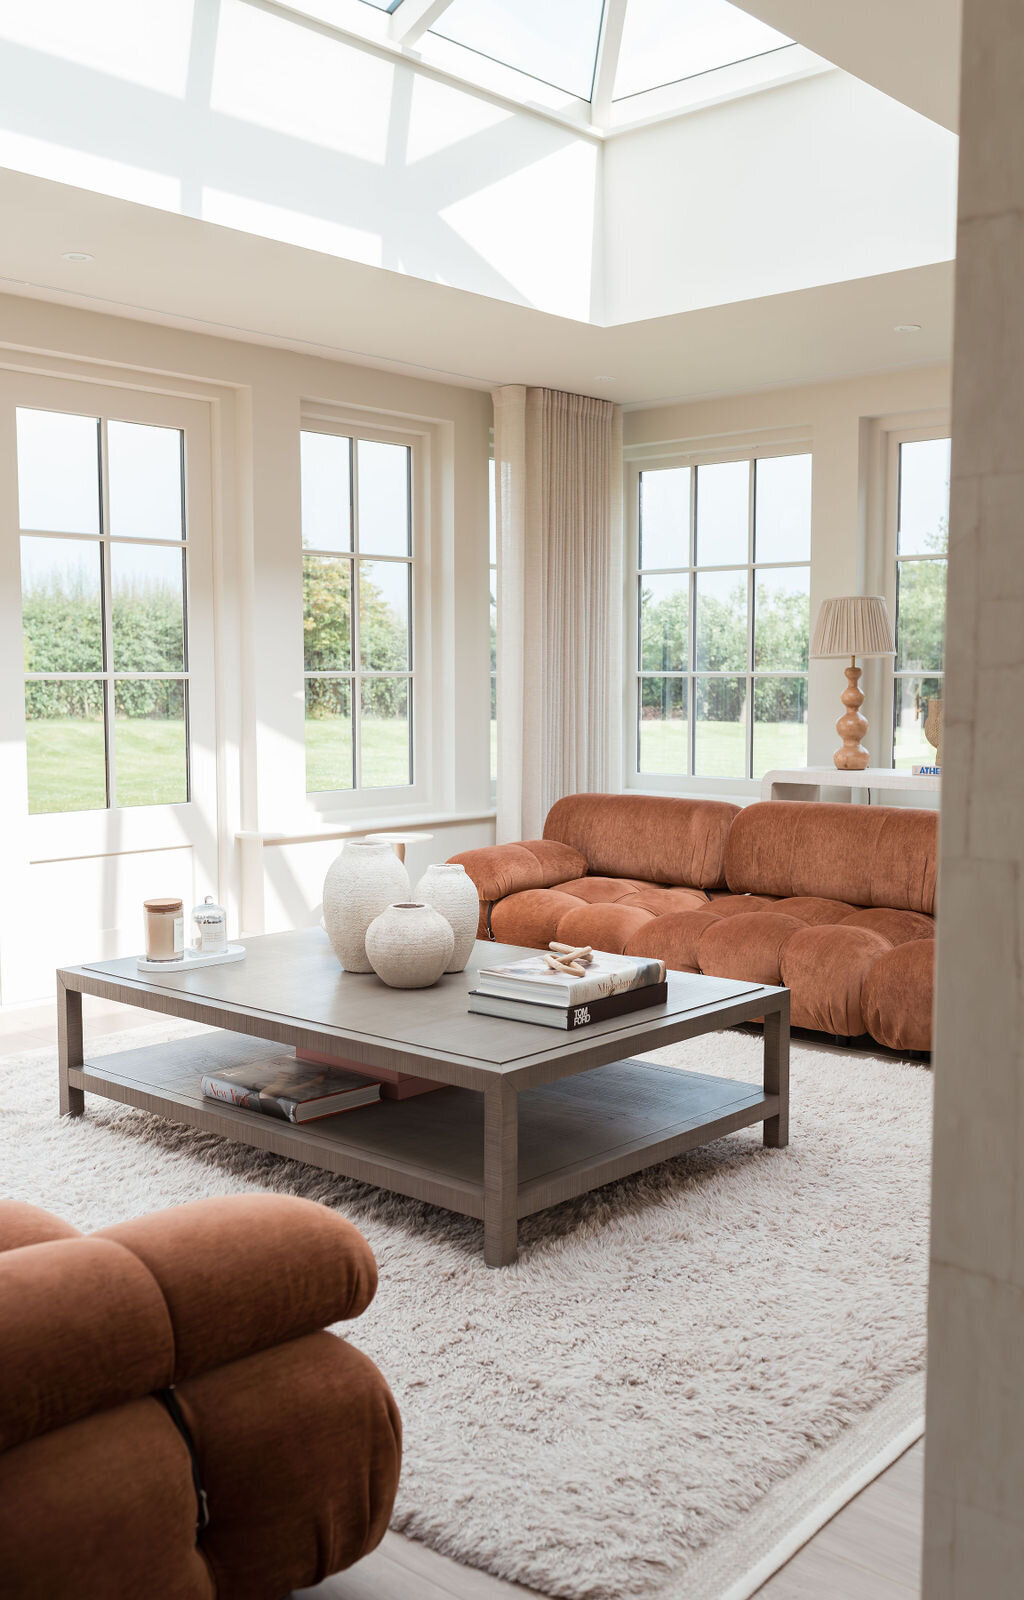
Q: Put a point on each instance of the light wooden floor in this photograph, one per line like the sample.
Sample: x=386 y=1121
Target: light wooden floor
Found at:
x=869 y=1551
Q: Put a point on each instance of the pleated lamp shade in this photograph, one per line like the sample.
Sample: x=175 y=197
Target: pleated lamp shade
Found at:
x=853 y=625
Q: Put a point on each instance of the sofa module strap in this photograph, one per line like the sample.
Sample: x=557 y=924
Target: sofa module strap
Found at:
x=169 y=1400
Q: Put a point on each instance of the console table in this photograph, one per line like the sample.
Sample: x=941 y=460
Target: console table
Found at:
x=806 y=783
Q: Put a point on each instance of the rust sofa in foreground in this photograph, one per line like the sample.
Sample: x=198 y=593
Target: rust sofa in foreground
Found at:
x=837 y=902
x=296 y=1437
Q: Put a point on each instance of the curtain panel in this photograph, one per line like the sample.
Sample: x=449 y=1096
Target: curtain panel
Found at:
x=558 y=471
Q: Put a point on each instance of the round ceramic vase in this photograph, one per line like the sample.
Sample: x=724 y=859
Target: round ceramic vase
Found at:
x=409 y=945
x=362 y=880
x=449 y=888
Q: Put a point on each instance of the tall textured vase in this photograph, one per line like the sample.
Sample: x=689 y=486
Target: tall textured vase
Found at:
x=360 y=883
x=448 y=887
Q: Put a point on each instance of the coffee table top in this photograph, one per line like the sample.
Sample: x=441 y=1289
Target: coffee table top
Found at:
x=290 y=987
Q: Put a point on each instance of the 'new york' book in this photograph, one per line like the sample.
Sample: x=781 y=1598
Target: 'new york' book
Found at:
x=294 y=1091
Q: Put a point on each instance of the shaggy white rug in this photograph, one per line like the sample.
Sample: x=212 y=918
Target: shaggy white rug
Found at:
x=681 y=1378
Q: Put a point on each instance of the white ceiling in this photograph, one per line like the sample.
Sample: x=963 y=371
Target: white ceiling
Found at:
x=161 y=266
x=909 y=49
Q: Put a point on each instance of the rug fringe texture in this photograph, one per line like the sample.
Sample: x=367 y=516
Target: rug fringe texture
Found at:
x=683 y=1376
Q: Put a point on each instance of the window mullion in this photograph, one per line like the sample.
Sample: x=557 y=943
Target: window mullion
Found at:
x=356 y=681
x=109 y=706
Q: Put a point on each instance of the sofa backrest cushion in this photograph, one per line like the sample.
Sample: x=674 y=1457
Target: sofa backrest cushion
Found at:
x=657 y=838
x=867 y=855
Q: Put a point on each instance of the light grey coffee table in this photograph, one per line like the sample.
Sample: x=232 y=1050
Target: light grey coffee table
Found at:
x=529 y=1116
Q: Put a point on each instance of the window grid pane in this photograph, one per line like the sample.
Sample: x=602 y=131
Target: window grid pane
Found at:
x=108 y=603
x=722 y=644
x=357 y=612
x=922 y=535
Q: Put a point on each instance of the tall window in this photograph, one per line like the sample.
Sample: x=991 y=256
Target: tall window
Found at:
x=357 y=571
x=103 y=584
x=723 y=595
x=493 y=569
x=922 y=536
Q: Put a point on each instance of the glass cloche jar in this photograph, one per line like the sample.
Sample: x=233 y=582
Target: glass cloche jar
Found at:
x=210 y=922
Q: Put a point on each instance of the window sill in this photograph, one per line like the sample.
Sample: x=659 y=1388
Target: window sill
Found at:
x=348 y=830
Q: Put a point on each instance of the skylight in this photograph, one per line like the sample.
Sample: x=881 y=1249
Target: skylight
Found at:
x=665 y=41
x=552 y=40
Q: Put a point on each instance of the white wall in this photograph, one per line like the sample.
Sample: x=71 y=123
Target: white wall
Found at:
x=82 y=903
x=814 y=182
x=846 y=425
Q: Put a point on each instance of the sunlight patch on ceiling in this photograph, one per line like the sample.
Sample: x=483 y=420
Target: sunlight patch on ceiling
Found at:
x=292 y=227
x=440 y=117
x=145 y=44
x=298 y=81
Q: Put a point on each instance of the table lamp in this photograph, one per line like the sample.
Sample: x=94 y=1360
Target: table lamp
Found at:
x=852 y=625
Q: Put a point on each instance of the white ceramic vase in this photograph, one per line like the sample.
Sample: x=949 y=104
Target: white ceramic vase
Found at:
x=409 y=945
x=360 y=882
x=448 y=887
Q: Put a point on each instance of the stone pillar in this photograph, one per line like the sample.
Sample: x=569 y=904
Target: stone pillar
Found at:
x=974 y=1518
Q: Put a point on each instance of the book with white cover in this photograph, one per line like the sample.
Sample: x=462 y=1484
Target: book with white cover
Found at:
x=606 y=974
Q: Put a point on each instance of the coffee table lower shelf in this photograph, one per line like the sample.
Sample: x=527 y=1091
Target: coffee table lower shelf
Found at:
x=556 y=1141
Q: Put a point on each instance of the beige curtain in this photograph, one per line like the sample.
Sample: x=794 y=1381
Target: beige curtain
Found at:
x=558 y=461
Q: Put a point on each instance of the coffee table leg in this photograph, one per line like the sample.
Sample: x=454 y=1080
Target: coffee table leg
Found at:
x=501 y=1174
x=776 y=1074
x=69 y=1048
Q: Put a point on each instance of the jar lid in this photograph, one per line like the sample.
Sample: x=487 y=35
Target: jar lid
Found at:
x=162 y=905
x=209 y=911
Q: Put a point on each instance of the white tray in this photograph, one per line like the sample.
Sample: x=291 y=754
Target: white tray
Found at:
x=191 y=959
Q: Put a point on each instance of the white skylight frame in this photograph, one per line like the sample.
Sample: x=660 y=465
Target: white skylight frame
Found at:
x=404 y=30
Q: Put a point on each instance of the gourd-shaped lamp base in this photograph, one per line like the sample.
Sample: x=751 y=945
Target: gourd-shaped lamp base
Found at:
x=852 y=726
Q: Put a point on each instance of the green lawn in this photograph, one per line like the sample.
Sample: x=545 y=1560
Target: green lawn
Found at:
x=329 y=753
x=720 y=748
x=67 y=763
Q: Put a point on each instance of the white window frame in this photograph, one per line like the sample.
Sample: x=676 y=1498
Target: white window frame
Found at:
x=356 y=803
x=896 y=437
x=652 y=458
x=51 y=836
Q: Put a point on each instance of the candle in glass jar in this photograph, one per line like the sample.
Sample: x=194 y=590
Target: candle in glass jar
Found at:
x=165 y=930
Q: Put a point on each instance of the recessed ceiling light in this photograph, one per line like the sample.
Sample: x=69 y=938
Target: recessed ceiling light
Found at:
x=907 y=327
x=603 y=377
x=77 y=255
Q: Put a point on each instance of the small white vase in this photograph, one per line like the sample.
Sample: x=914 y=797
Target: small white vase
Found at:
x=448 y=887
x=360 y=882
x=409 y=945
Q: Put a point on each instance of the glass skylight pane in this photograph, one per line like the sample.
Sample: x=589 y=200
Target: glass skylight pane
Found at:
x=382 y=5
x=555 y=43
x=666 y=40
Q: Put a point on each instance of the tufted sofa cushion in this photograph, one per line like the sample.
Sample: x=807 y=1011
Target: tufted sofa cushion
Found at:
x=865 y=855
x=656 y=838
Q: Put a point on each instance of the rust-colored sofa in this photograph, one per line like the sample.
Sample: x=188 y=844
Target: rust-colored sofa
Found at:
x=837 y=902
x=295 y=1435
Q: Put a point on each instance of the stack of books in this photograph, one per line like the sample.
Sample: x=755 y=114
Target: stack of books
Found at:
x=531 y=991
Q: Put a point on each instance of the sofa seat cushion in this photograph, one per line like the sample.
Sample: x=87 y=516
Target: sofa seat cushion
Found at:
x=657 y=898
x=672 y=939
x=825 y=968
x=898 y=993
x=607 y=927
x=899 y=927
x=747 y=947
x=531 y=917
x=814 y=910
x=738 y=905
